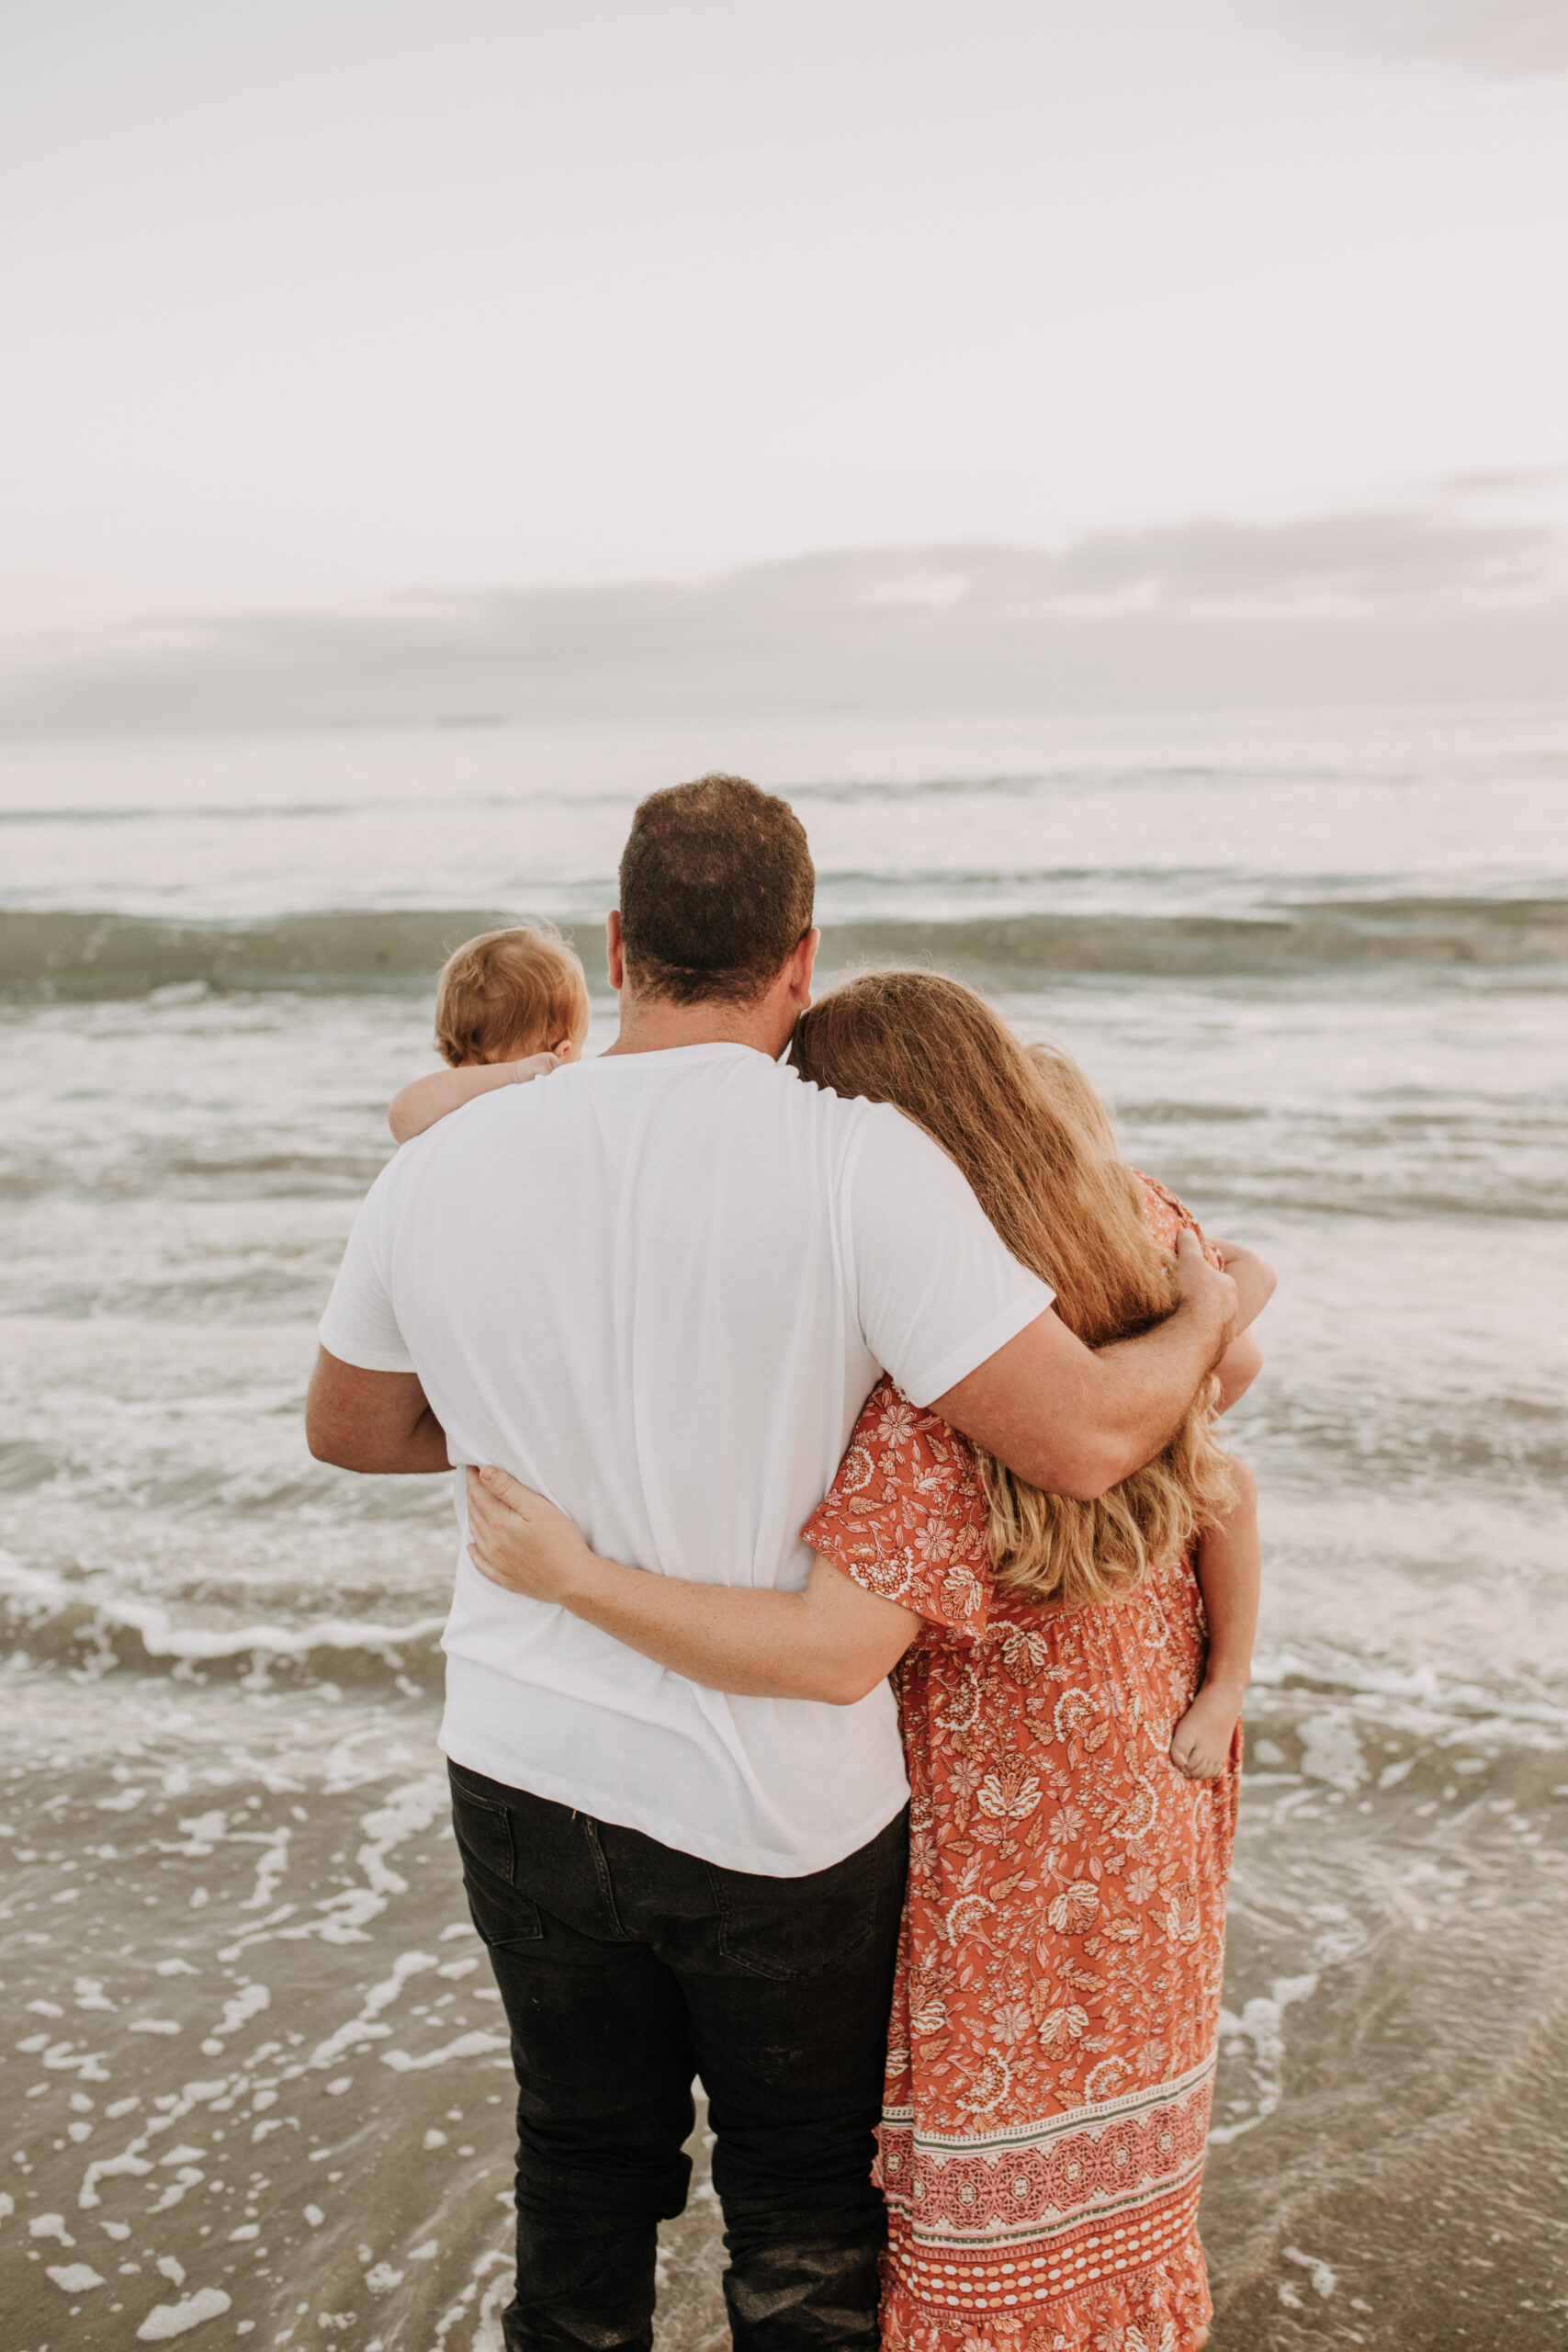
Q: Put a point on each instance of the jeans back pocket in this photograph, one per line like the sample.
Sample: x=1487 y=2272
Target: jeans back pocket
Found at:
x=502 y=1914
x=791 y=1929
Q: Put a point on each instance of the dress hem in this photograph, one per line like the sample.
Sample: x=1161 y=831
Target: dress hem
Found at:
x=1165 y=2308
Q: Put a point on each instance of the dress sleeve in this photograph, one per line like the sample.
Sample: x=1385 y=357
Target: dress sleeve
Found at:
x=905 y=1516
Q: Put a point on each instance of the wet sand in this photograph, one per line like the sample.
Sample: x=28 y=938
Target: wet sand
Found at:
x=266 y=2087
x=1387 y=2167
x=257 y=2082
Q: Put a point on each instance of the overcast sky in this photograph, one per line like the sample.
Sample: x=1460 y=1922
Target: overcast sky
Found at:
x=321 y=302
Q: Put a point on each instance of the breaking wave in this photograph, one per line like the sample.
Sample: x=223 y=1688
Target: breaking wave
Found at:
x=104 y=955
x=95 y=1631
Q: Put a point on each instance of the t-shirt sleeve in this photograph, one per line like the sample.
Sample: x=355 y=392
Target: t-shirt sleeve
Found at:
x=905 y=1516
x=359 y=1326
x=937 y=1289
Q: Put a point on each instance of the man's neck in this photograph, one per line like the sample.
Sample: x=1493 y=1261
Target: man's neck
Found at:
x=658 y=1025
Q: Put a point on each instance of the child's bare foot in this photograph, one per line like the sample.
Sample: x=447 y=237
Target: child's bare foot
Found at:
x=1200 y=1743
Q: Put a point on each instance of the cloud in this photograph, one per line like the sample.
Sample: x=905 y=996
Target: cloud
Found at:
x=1354 y=562
x=1533 y=484
x=1493 y=40
x=1455 y=594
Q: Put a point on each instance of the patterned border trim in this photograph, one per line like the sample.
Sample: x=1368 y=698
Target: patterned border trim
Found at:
x=1071 y=2119
x=953 y=2280
x=1091 y=2165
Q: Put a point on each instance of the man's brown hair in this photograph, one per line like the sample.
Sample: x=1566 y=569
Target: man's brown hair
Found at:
x=717 y=890
x=508 y=993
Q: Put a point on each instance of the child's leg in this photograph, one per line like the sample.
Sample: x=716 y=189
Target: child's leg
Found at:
x=1229 y=1565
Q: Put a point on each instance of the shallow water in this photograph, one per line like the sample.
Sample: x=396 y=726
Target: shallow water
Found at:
x=1319 y=966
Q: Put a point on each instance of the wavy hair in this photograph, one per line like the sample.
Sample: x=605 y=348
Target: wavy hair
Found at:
x=1036 y=1142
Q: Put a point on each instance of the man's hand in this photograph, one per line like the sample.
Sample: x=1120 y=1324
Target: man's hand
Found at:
x=1204 y=1292
x=371 y=1421
x=1076 y=1420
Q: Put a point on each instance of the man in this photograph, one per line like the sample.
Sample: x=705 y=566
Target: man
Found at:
x=659 y=1287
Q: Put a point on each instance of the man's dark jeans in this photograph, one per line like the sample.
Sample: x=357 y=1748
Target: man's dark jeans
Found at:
x=628 y=1968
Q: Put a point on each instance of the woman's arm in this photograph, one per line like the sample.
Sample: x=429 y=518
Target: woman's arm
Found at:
x=419 y=1104
x=834 y=1641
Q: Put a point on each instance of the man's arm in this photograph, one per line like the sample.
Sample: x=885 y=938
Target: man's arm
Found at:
x=371 y=1421
x=1077 y=1420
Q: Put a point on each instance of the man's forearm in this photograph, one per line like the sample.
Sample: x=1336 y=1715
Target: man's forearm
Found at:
x=1151 y=1383
x=416 y=1452
x=371 y=1421
x=1076 y=1421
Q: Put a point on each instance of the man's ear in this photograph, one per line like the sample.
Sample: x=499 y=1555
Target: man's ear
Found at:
x=616 y=951
x=801 y=968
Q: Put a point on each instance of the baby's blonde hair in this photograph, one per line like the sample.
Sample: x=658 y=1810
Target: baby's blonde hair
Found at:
x=508 y=993
x=1028 y=1130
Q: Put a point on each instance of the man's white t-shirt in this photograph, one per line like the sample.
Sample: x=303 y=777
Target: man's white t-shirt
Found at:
x=659 y=1287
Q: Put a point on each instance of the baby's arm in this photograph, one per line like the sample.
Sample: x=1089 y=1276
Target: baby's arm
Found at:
x=1238 y=1368
x=834 y=1641
x=1229 y=1564
x=419 y=1104
x=1254 y=1277
x=1254 y=1280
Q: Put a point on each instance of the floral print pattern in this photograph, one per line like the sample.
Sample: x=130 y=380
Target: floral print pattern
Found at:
x=1056 y=2010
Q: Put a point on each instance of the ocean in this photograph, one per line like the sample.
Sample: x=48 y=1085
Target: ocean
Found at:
x=256 y=2079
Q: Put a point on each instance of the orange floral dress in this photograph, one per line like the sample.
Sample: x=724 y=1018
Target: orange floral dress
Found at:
x=1056 y=2010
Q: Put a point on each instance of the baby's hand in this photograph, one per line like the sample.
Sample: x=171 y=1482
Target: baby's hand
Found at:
x=1201 y=1741
x=534 y=1066
x=519 y=1540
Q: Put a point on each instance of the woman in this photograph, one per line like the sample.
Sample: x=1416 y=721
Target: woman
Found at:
x=1051 y=2041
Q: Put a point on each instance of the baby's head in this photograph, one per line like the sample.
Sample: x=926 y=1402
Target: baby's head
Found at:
x=508 y=994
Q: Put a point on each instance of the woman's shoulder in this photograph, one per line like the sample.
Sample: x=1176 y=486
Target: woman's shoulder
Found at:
x=902 y=1440
x=907 y=1515
x=1166 y=1212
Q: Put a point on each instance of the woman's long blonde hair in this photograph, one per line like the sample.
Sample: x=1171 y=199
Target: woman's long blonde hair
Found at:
x=1036 y=1144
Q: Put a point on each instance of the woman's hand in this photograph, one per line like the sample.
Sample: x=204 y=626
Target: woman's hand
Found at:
x=519 y=1540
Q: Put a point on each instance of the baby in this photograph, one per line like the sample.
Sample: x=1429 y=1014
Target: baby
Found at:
x=510 y=1005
